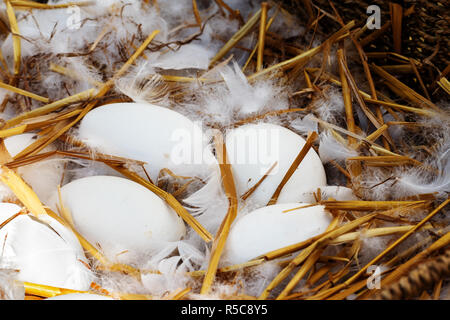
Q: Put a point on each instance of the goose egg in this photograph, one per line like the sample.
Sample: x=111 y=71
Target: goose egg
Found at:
x=122 y=218
x=253 y=149
x=336 y=192
x=269 y=228
x=43 y=176
x=158 y=136
x=43 y=252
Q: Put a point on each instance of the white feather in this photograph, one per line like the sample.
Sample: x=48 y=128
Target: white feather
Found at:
x=331 y=149
x=209 y=204
x=417 y=180
x=10 y=288
x=305 y=125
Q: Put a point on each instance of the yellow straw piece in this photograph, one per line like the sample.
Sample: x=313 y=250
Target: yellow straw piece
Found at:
x=15 y=35
x=444 y=84
x=262 y=35
x=84 y=95
x=222 y=234
x=22 y=191
x=236 y=37
x=12 y=131
x=23 y=92
x=47 y=291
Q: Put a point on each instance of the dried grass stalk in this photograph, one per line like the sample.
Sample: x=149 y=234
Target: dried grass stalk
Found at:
x=302 y=154
x=403 y=90
x=262 y=35
x=23 y=92
x=222 y=234
x=242 y=32
x=79 y=97
x=22 y=191
x=397 y=242
x=15 y=36
x=370 y=205
x=346 y=96
x=198 y=19
x=47 y=291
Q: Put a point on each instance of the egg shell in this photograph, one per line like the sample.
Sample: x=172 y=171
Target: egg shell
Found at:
x=158 y=136
x=336 y=192
x=80 y=296
x=44 y=252
x=254 y=148
x=125 y=219
x=15 y=144
x=43 y=176
x=269 y=228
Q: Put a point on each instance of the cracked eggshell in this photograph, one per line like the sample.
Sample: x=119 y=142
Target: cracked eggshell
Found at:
x=43 y=176
x=43 y=251
x=269 y=228
x=159 y=136
x=252 y=150
x=125 y=220
x=336 y=192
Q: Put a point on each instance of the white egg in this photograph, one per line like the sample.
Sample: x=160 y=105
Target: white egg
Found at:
x=159 y=136
x=17 y=143
x=44 y=253
x=336 y=192
x=254 y=148
x=80 y=296
x=269 y=228
x=43 y=176
x=122 y=218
